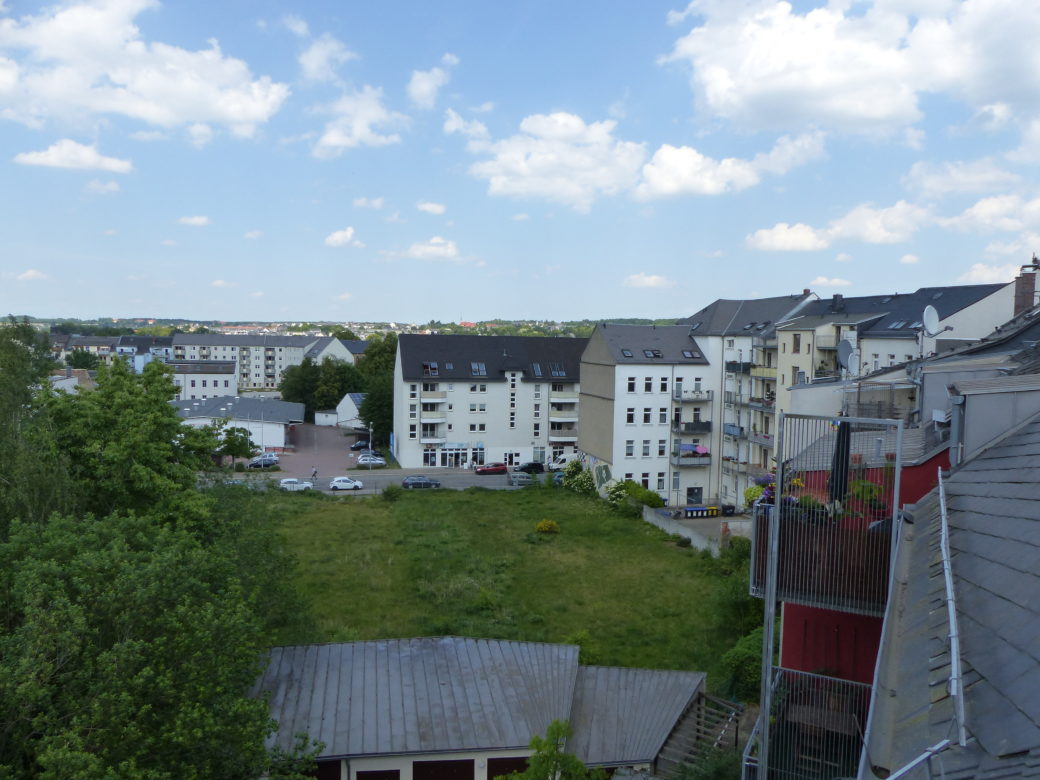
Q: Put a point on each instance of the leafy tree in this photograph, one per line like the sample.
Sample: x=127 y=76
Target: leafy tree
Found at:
x=320 y=387
x=344 y=333
x=377 y=410
x=549 y=761
x=298 y=384
x=80 y=358
x=380 y=356
x=236 y=443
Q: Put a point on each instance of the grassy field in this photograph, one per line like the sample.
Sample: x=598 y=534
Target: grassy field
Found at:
x=469 y=563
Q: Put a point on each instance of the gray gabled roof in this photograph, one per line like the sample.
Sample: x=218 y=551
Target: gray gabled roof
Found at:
x=629 y=344
x=355 y=346
x=426 y=695
x=236 y=340
x=241 y=408
x=624 y=716
x=994 y=518
x=744 y=317
x=454 y=356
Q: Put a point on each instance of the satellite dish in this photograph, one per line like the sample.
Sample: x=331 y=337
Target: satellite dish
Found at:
x=845 y=350
x=930 y=320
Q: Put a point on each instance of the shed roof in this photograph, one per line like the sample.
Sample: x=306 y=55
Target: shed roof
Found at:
x=455 y=355
x=426 y=695
x=994 y=519
x=240 y=408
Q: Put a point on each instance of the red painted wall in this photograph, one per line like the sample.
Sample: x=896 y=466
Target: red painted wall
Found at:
x=824 y=641
x=916 y=481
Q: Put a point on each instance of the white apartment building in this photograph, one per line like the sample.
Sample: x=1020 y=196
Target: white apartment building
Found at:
x=260 y=359
x=461 y=401
x=203 y=379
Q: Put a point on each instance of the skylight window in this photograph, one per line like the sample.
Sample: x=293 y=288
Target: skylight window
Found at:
x=653 y=353
x=536 y=368
x=556 y=369
x=695 y=325
x=448 y=365
x=626 y=352
x=430 y=368
x=478 y=369
x=896 y=324
x=749 y=326
x=915 y=325
x=691 y=353
x=937 y=296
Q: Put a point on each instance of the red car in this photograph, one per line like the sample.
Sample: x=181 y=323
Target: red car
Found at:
x=492 y=468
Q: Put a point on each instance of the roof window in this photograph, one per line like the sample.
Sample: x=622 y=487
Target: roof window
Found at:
x=430 y=369
x=691 y=353
x=695 y=325
x=653 y=353
x=478 y=368
x=556 y=369
x=536 y=368
x=626 y=352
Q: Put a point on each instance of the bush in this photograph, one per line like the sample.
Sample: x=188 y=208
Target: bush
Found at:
x=753 y=493
x=683 y=541
x=547 y=527
x=713 y=764
x=643 y=495
x=617 y=493
x=392 y=492
x=581 y=483
x=240 y=467
x=742 y=664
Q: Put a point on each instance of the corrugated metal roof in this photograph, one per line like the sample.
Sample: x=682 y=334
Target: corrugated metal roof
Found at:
x=422 y=695
x=240 y=408
x=624 y=716
x=994 y=517
x=999 y=384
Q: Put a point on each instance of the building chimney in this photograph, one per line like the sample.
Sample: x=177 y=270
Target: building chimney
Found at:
x=1025 y=287
x=838 y=302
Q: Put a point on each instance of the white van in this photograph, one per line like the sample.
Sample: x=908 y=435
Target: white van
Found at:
x=560 y=461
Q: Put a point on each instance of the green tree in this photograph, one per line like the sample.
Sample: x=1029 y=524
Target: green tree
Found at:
x=80 y=358
x=346 y=334
x=299 y=383
x=335 y=379
x=380 y=355
x=549 y=761
x=377 y=410
x=236 y=442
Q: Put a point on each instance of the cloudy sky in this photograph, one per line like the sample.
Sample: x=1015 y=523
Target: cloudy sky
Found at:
x=397 y=160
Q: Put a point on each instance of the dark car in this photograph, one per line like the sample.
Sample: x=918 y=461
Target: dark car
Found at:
x=263 y=461
x=491 y=468
x=361 y=444
x=419 y=481
x=530 y=468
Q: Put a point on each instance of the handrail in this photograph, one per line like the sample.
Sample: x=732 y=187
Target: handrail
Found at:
x=955 y=683
x=925 y=756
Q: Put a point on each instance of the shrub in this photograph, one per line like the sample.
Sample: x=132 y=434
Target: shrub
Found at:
x=643 y=495
x=581 y=483
x=573 y=468
x=742 y=664
x=547 y=527
x=683 y=541
x=713 y=764
x=617 y=493
x=392 y=492
x=583 y=639
x=753 y=493
x=240 y=467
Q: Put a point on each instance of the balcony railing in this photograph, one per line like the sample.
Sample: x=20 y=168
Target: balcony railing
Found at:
x=700 y=426
x=433 y=395
x=826 y=342
x=815 y=728
x=764 y=372
x=762 y=404
x=690 y=461
x=564 y=396
x=564 y=416
x=751 y=469
x=763 y=439
x=732 y=429
x=686 y=396
x=565 y=434
x=834 y=563
x=433 y=439
x=738 y=367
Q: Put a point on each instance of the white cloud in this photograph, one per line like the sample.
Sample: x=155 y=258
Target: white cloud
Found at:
x=67 y=153
x=296 y=25
x=199 y=134
x=85 y=59
x=253 y=235
x=108 y=232
x=684 y=170
x=343 y=237
x=823 y=281
x=859 y=67
x=980 y=273
x=168 y=242
x=936 y=180
x=257 y=294
x=909 y=259
x=31 y=275
x=219 y=283
x=453 y=123
x=431 y=208
x=787 y=238
x=99 y=187
x=562 y=159
x=644 y=280
x=437 y=248
x=360 y=120
x=843 y=257
x=320 y=60
x=368 y=203
x=425 y=85
x=998 y=213
x=521 y=217
x=148 y=135
x=484 y=108
x=196 y=221
x=344 y=296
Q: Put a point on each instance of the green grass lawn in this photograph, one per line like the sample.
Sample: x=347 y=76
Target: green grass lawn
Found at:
x=469 y=564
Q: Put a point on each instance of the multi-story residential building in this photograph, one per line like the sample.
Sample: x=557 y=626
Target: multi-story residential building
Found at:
x=648 y=406
x=739 y=337
x=201 y=379
x=467 y=400
x=142 y=350
x=260 y=360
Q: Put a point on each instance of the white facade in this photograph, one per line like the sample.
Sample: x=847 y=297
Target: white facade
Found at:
x=202 y=380
x=266 y=436
x=260 y=360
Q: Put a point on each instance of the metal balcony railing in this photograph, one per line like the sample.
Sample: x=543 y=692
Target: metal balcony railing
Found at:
x=763 y=439
x=738 y=367
x=700 y=426
x=689 y=460
x=764 y=372
x=684 y=395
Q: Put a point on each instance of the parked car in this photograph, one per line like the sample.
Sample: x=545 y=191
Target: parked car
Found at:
x=263 y=461
x=519 y=478
x=291 y=483
x=557 y=478
x=491 y=468
x=376 y=453
x=360 y=444
x=559 y=463
x=372 y=461
x=530 y=468
x=419 y=481
x=345 y=483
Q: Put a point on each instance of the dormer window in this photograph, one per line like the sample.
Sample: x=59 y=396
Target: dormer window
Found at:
x=430 y=369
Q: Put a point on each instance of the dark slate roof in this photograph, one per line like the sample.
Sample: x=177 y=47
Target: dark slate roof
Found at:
x=236 y=340
x=355 y=346
x=203 y=366
x=994 y=517
x=142 y=344
x=499 y=354
x=425 y=695
x=736 y=318
x=241 y=408
x=671 y=340
x=905 y=308
x=315 y=349
x=623 y=716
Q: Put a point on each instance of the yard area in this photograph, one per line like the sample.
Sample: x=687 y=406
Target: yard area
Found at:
x=470 y=564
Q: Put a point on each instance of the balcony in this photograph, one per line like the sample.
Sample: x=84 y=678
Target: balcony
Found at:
x=764 y=372
x=690 y=459
x=762 y=404
x=564 y=396
x=830 y=562
x=732 y=466
x=826 y=342
x=564 y=416
x=732 y=429
x=437 y=395
x=432 y=437
x=816 y=723
x=701 y=426
x=564 y=435
x=763 y=439
x=433 y=416
x=738 y=367
x=684 y=396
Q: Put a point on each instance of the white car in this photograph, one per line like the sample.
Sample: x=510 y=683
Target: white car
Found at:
x=345 y=483
x=292 y=483
x=370 y=460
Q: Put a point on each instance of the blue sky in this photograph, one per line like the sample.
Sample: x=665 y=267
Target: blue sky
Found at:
x=458 y=160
